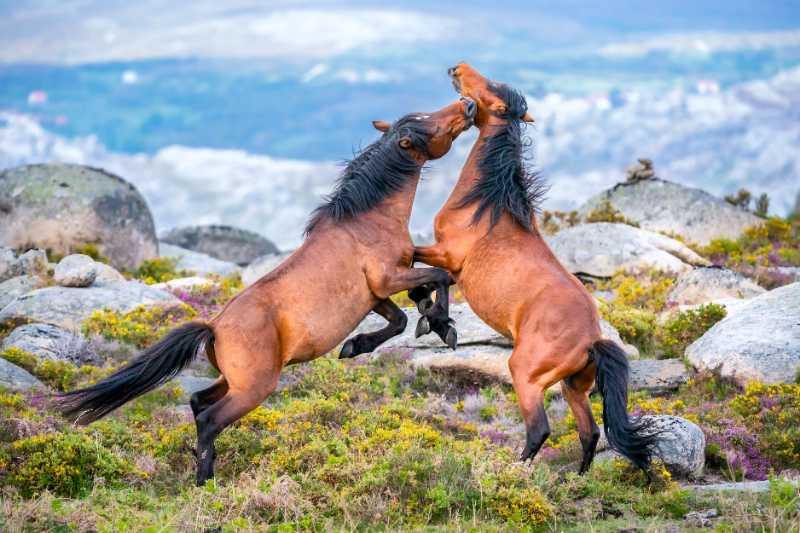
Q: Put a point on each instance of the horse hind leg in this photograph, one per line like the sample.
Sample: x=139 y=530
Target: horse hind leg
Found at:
x=528 y=378
x=576 y=390
x=201 y=399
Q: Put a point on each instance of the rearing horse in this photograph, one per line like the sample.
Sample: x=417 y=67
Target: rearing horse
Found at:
x=487 y=238
x=357 y=252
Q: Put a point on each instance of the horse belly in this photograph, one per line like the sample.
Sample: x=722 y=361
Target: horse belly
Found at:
x=487 y=292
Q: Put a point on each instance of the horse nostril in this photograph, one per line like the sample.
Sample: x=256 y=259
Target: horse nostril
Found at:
x=470 y=108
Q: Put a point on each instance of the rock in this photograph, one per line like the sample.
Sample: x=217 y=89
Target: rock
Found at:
x=31 y=263
x=63 y=207
x=681 y=445
x=226 y=243
x=190 y=384
x=760 y=341
x=731 y=305
x=482 y=354
x=703 y=285
x=34 y=263
x=197 y=262
x=261 y=266
x=68 y=307
x=16 y=378
x=660 y=205
x=46 y=341
x=184 y=284
x=701 y=518
x=657 y=376
x=106 y=274
x=75 y=270
x=737 y=486
x=9 y=267
x=603 y=248
x=16 y=287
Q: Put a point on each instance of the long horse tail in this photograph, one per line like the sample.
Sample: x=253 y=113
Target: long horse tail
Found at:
x=630 y=437
x=155 y=366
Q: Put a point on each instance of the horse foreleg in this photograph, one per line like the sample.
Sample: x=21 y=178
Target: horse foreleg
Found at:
x=367 y=342
x=436 y=318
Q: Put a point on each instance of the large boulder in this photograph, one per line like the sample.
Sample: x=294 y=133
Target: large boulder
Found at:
x=603 y=248
x=680 y=444
x=226 y=243
x=13 y=288
x=198 y=263
x=660 y=205
x=75 y=270
x=68 y=307
x=31 y=263
x=703 y=285
x=262 y=265
x=16 y=378
x=63 y=207
x=760 y=341
x=46 y=341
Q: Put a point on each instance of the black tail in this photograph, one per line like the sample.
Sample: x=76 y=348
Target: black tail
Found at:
x=629 y=437
x=153 y=367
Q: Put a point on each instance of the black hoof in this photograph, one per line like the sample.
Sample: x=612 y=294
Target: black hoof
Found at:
x=423 y=327
x=348 y=350
x=452 y=338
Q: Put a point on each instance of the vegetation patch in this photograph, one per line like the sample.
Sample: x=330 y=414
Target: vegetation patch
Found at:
x=140 y=327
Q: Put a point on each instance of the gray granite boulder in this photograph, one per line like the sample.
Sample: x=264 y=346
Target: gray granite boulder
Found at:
x=198 y=263
x=703 y=285
x=16 y=378
x=30 y=263
x=76 y=270
x=681 y=445
x=63 y=207
x=106 y=274
x=13 y=288
x=660 y=205
x=603 y=248
x=262 y=265
x=68 y=307
x=760 y=341
x=226 y=243
x=46 y=341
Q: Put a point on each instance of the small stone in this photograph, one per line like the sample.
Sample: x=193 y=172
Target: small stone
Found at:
x=16 y=378
x=75 y=270
x=48 y=342
x=106 y=274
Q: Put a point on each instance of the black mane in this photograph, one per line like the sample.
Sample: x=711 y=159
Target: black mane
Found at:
x=375 y=172
x=506 y=183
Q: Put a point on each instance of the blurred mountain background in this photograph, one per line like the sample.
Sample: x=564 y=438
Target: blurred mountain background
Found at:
x=240 y=112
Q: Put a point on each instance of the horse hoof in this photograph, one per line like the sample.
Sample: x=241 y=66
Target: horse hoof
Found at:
x=423 y=327
x=424 y=305
x=451 y=339
x=348 y=350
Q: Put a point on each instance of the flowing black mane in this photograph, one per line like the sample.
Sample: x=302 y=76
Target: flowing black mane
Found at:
x=506 y=183
x=375 y=172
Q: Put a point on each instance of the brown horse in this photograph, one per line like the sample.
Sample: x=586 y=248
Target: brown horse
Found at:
x=487 y=238
x=357 y=252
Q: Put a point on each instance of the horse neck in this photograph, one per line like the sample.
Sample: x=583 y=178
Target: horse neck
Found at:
x=397 y=206
x=470 y=172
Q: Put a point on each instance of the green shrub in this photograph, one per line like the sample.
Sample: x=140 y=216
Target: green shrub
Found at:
x=635 y=326
x=608 y=213
x=61 y=375
x=687 y=326
x=65 y=463
x=159 y=270
x=139 y=327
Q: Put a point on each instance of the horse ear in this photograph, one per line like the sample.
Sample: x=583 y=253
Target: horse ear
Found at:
x=498 y=108
x=405 y=143
x=527 y=117
x=381 y=125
